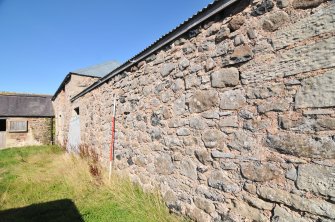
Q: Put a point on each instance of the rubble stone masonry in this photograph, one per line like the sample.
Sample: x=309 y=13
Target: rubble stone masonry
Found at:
x=235 y=121
x=39 y=132
x=62 y=105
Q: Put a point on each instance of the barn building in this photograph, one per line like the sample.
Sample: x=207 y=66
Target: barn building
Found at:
x=231 y=115
x=74 y=83
x=25 y=120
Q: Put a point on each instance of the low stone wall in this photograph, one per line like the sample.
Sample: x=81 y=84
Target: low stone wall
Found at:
x=233 y=122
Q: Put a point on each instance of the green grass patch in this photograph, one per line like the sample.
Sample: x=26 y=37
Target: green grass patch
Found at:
x=45 y=184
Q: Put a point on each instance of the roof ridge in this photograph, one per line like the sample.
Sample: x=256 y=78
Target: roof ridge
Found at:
x=24 y=94
x=98 y=70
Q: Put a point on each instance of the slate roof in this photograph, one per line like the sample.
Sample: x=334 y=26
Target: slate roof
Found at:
x=99 y=70
x=96 y=71
x=25 y=105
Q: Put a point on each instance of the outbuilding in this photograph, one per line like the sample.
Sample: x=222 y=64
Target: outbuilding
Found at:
x=25 y=120
x=67 y=122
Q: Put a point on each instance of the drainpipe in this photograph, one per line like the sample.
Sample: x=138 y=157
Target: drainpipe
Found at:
x=52 y=131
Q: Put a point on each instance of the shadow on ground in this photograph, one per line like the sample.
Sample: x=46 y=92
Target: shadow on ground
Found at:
x=55 y=211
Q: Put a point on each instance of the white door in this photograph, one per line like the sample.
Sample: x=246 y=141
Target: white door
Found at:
x=73 y=141
x=2 y=139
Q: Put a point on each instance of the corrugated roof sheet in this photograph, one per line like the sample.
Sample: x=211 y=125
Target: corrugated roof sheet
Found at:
x=177 y=27
x=25 y=105
x=189 y=24
x=98 y=70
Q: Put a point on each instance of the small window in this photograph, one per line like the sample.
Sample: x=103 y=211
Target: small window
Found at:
x=77 y=110
x=18 y=126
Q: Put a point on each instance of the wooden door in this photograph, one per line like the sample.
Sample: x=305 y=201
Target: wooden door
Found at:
x=2 y=139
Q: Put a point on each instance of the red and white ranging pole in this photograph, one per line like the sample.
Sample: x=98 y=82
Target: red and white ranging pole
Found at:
x=111 y=154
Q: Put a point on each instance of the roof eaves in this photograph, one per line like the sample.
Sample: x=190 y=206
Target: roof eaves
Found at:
x=177 y=32
x=67 y=79
x=27 y=116
x=61 y=86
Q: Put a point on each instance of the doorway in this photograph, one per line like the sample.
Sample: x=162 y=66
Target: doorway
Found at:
x=3 y=128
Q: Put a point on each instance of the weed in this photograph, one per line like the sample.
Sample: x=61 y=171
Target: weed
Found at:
x=92 y=157
x=48 y=174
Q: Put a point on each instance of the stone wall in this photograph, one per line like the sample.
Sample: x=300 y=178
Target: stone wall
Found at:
x=63 y=108
x=235 y=121
x=39 y=133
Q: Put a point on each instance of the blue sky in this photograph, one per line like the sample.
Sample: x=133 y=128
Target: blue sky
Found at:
x=42 y=40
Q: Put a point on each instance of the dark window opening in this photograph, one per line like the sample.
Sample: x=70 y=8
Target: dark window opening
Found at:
x=76 y=110
x=3 y=125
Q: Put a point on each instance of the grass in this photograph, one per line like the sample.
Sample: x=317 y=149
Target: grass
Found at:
x=45 y=184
